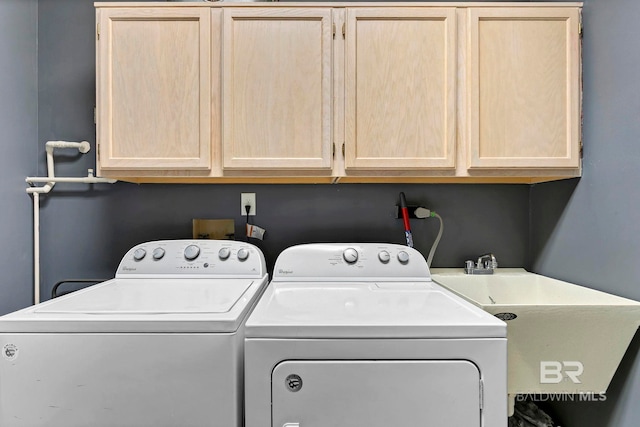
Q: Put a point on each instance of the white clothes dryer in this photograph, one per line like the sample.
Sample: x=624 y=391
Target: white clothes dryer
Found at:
x=161 y=344
x=357 y=335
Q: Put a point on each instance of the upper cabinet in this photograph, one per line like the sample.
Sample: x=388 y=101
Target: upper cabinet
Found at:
x=277 y=89
x=339 y=92
x=524 y=88
x=400 y=88
x=154 y=89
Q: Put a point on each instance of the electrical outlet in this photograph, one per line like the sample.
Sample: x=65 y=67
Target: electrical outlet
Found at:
x=248 y=199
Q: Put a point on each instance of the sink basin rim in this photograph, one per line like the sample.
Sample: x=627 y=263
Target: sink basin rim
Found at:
x=539 y=291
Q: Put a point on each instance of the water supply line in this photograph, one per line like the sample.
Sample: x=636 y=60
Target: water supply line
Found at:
x=50 y=181
x=431 y=214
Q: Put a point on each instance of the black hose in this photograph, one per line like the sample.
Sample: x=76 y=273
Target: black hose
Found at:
x=54 y=290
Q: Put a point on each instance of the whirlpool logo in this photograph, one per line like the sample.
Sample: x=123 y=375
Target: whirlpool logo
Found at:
x=10 y=351
x=285 y=272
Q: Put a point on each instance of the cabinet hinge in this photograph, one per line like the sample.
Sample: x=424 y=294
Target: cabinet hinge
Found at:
x=581 y=150
x=580 y=26
x=334 y=30
x=333 y=150
x=97 y=151
x=344 y=29
x=343 y=149
x=98 y=31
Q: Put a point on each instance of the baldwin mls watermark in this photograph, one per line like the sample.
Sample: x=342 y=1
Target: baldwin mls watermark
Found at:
x=555 y=372
x=579 y=396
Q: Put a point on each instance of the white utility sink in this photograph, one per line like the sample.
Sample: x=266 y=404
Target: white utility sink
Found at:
x=561 y=337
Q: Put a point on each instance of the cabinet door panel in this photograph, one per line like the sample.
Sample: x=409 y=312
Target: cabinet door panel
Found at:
x=277 y=88
x=154 y=88
x=524 y=88
x=400 y=88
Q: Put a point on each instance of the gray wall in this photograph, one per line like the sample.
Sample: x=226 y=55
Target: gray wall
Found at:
x=588 y=230
x=18 y=137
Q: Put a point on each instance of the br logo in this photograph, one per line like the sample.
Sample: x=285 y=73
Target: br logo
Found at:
x=552 y=372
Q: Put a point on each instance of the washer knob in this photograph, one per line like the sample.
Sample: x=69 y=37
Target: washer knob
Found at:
x=224 y=253
x=350 y=255
x=139 y=254
x=384 y=257
x=403 y=257
x=158 y=253
x=191 y=252
x=243 y=254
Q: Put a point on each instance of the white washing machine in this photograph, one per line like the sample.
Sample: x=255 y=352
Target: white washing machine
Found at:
x=357 y=335
x=161 y=344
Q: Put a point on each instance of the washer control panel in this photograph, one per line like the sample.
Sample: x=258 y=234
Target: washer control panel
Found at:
x=195 y=257
x=353 y=261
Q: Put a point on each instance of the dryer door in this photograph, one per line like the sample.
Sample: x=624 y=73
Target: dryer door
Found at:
x=376 y=393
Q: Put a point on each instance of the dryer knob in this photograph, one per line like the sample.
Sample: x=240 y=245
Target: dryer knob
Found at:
x=350 y=255
x=224 y=253
x=384 y=257
x=243 y=254
x=403 y=257
x=191 y=252
x=158 y=253
x=139 y=254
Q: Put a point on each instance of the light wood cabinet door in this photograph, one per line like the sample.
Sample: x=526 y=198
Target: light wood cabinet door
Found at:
x=524 y=94
x=154 y=88
x=400 y=103
x=277 y=88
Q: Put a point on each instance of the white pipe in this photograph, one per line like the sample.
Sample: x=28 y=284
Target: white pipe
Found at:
x=50 y=163
x=39 y=190
x=82 y=147
x=50 y=180
x=50 y=172
x=89 y=179
x=81 y=180
x=36 y=248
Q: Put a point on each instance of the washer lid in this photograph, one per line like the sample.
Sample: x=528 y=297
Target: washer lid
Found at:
x=368 y=310
x=143 y=305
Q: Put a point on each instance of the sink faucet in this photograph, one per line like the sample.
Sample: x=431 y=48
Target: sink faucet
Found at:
x=486 y=264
